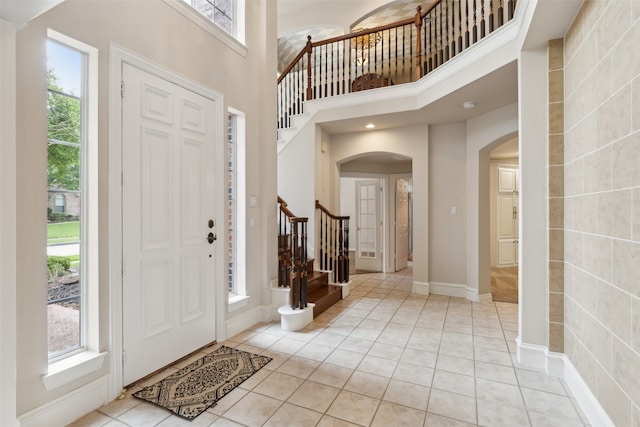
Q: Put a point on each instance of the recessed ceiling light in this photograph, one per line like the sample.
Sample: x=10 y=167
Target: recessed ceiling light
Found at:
x=468 y=104
x=370 y=126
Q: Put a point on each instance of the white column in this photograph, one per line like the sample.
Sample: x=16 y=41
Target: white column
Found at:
x=8 y=416
x=532 y=117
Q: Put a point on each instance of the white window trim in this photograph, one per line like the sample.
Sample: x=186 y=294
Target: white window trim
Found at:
x=240 y=298
x=236 y=43
x=88 y=359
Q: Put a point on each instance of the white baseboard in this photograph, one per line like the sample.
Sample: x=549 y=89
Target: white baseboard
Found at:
x=420 y=288
x=532 y=356
x=453 y=290
x=243 y=321
x=589 y=404
x=69 y=407
x=555 y=364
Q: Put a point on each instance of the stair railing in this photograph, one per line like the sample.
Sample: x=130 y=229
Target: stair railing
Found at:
x=392 y=54
x=333 y=243
x=292 y=255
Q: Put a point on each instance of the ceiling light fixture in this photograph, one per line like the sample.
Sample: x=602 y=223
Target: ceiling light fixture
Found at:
x=468 y=104
x=370 y=126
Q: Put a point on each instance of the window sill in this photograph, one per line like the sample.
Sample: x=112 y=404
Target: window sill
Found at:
x=238 y=301
x=198 y=19
x=72 y=368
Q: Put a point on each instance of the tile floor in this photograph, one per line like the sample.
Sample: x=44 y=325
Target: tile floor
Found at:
x=381 y=357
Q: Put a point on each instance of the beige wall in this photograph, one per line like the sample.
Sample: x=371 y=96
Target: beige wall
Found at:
x=159 y=33
x=447 y=189
x=602 y=203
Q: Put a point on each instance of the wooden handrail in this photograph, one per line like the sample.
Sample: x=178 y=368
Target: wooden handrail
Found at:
x=326 y=211
x=292 y=255
x=401 y=52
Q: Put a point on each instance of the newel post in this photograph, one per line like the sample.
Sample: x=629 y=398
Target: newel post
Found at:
x=418 y=22
x=309 y=49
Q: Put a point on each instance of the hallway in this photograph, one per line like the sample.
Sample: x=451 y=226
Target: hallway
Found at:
x=380 y=357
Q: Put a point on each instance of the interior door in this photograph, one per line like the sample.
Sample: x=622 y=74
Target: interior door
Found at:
x=168 y=199
x=368 y=247
x=402 y=224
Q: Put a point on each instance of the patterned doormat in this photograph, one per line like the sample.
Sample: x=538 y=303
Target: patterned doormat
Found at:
x=189 y=391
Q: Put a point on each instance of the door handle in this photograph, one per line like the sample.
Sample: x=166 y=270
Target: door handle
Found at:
x=211 y=238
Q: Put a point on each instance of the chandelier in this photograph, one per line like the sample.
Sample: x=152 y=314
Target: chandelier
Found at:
x=364 y=43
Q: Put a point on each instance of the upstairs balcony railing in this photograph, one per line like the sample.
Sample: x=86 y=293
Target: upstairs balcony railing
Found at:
x=393 y=54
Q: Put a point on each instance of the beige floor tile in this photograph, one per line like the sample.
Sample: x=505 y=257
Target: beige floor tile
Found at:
x=367 y=384
x=298 y=367
x=229 y=399
x=498 y=344
x=389 y=414
x=355 y=344
x=328 y=421
x=549 y=404
x=314 y=396
x=144 y=415
x=92 y=419
x=453 y=405
x=386 y=351
x=419 y=357
x=289 y=414
x=455 y=383
x=287 y=345
x=354 y=408
x=454 y=349
x=539 y=381
x=414 y=374
x=328 y=338
x=115 y=423
x=262 y=340
x=365 y=334
x=543 y=420
x=496 y=414
x=344 y=358
x=434 y=420
x=377 y=365
x=253 y=409
x=331 y=375
x=493 y=356
x=392 y=338
x=203 y=420
x=223 y=422
x=490 y=371
x=407 y=394
x=498 y=392
x=119 y=407
x=255 y=379
x=279 y=386
x=457 y=339
x=315 y=351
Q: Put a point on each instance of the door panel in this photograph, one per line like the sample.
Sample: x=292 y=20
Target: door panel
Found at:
x=402 y=224
x=368 y=256
x=168 y=197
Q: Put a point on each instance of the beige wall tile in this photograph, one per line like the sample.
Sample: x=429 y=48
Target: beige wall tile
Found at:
x=626 y=259
x=614 y=117
x=556 y=212
x=597 y=256
x=585 y=213
x=598 y=339
x=568 y=213
x=597 y=87
x=556 y=181
x=556 y=307
x=635 y=324
x=586 y=135
x=635 y=102
x=568 y=281
x=625 y=369
x=574 y=37
x=597 y=171
x=556 y=149
x=556 y=337
x=586 y=364
x=614 y=214
x=576 y=63
x=556 y=54
x=556 y=245
x=574 y=109
x=614 y=310
x=635 y=215
x=625 y=158
x=574 y=248
x=556 y=86
x=556 y=276
x=612 y=25
x=635 y=12
x=613 y=399
x=556 y=117
x=627 y=66
x=584 y=286
x=574 y=178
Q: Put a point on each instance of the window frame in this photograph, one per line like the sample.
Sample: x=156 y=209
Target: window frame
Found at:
x=235 y=42
x=238 y=296
x=70 y=366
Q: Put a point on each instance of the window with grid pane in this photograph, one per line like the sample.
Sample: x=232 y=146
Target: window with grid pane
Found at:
x=220 y=12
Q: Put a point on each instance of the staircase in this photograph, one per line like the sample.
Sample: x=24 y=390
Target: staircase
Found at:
x=296 y=271
x=320 y=292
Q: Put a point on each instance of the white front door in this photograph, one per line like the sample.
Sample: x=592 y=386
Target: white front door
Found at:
x=402 y=224
x=168 y=199
x=368 y=245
